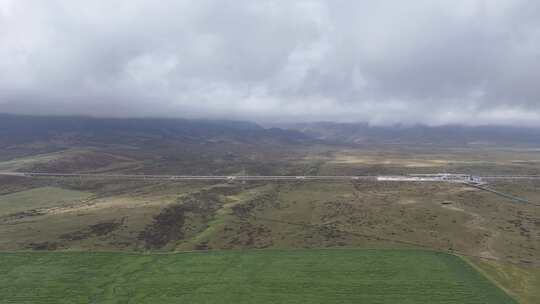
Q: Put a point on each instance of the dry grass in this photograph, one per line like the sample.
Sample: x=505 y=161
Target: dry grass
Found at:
x=519 y=281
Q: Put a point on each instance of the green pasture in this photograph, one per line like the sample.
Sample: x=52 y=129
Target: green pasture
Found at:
x=255 y=276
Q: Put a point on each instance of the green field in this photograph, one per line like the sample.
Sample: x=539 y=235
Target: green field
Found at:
x=266 y=276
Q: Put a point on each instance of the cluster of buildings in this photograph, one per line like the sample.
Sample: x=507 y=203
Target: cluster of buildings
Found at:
x=439 y=177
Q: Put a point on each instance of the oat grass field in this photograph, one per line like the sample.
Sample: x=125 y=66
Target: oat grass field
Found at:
x=245 y=276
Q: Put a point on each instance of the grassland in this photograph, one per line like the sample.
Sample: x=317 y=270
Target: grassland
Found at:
x=270 y=276
x=23 y=162
x=149 y=216
x=41 y=197
x=519 y=280
x=404 y=160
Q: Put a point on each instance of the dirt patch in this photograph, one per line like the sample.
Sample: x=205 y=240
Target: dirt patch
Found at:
x=407 y=201
x=354 y=159
x=451 y=206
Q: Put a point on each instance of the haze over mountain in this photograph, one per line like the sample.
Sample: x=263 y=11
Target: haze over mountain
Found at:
x=469 y=62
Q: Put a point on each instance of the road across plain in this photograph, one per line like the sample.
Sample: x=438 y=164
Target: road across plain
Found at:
x=190 y=177
x=477 y=182
x=411 y=178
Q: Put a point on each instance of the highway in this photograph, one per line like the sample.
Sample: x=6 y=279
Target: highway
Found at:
x=478 y=182
x=410 y=178
x=193 y=177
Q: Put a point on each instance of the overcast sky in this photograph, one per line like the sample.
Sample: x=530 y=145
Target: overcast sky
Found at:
x=382 y=62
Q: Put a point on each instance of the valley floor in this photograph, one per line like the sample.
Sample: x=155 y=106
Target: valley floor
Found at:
x=64 y=215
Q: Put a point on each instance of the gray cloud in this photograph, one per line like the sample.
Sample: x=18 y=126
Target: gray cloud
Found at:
x=434 y=62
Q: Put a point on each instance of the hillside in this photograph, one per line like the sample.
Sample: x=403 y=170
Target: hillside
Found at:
x=447 y=135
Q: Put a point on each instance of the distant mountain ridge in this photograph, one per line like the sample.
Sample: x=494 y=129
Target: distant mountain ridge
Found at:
x=362 y=133
x=24 y=129
x=16 y=129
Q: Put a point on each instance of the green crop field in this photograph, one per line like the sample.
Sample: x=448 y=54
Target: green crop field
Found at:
x=265 y=276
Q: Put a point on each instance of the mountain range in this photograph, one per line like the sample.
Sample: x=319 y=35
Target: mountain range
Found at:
x=21 y=129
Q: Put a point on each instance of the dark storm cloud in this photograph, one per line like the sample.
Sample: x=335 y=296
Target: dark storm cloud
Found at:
x=433 y=62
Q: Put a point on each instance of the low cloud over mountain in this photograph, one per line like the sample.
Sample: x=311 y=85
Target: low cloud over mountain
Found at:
x=381 y=62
